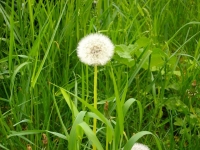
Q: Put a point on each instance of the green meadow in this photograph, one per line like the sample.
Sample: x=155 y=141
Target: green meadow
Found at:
x=147 y=93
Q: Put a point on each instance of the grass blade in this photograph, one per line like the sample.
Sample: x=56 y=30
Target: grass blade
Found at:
x=70 y=103
x=57 y=134
x=139 y=66
x=3 y=147
x=91 y=136
x=27 y=132
x=137 y=136
x=99 y=114
x=48 y=48
x=73 y=133
x=60 y=118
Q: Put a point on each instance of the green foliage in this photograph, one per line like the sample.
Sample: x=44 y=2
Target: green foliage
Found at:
x=148 y=93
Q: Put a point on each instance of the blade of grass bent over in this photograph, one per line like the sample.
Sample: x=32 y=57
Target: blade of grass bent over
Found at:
x=61 y=121
x=3 y=147
x=99 y=114
x=91 y=136
x=127 y=105
x=137 y=136
x=73 y=133
x=70 y=103
x=13 y=76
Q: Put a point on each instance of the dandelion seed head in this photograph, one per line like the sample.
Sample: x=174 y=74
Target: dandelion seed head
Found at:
x=95 y=49
x=139 y=146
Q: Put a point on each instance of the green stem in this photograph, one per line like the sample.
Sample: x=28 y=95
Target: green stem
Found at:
x=95 y=101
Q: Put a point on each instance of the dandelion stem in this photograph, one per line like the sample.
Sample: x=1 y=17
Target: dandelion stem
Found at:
x=95 y=101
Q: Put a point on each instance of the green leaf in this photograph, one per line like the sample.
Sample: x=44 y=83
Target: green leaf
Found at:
x=3 y=147
x=179 y=122
x=109 y=127
x=57 y=134
x=60 y=118
x=126 y=54
x=123 y=55
x=123 y=51
x=127 y=105
x=25 y=120
x=93 y=115
x=35 y=76
x=73 y=133
x=120 y=115
x=137 y=136
x=126 y=61
x=27 y=132
x=178 y=105
x=139 y=65
x=91 y=136
x=70 y=103
x=14 y=74
x=142 y=42
x=157 y=58
x=17 y=70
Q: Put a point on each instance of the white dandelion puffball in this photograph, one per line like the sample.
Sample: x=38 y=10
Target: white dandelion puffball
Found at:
x=139 y=146
x=95 y=49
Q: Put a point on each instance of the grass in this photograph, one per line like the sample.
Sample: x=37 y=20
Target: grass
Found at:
x=148 y=93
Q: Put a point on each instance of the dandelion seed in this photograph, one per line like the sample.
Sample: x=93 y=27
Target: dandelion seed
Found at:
x=139 y=146
x=95 y=49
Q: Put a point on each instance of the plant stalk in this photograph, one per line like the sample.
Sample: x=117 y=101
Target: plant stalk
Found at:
x=95 y=101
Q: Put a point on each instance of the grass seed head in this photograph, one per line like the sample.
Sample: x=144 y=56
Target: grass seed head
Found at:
x=44 y=139
x=29 y=147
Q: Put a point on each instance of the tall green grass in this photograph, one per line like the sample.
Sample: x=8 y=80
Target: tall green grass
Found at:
x=148 y=93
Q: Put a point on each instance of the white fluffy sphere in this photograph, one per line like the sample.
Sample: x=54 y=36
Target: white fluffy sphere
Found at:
x=139 y=146
x=95 y=49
